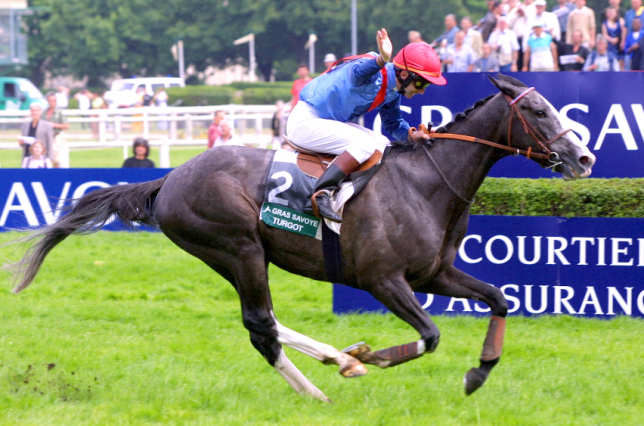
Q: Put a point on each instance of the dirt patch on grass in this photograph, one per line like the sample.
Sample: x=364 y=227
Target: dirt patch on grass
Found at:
x=49 y=379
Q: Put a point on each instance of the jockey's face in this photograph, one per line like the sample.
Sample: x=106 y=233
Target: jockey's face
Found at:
x=411 y=88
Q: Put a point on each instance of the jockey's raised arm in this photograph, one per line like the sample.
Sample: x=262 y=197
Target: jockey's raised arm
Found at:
x=325 y=119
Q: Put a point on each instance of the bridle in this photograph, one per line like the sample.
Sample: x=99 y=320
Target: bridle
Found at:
x=547 y=156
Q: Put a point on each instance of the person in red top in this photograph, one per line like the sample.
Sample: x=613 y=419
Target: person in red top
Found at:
x=213 y=130
x=298 y=85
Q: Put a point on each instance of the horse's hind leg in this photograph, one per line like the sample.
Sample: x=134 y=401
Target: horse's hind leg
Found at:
x=349 y=366
x=454 y=283
x=251 y=282
x=246 y=270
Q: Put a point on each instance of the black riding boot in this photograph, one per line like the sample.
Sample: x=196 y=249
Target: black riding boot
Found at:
x=342 y=166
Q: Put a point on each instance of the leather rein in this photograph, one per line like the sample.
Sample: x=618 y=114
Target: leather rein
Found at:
x=547 y=155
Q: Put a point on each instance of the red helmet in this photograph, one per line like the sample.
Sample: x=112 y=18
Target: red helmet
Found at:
x=420 y=58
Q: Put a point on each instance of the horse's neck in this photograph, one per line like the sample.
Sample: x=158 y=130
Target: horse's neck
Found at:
x=467 y=163
x=464 y=164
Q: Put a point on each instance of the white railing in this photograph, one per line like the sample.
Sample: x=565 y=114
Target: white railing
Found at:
x=110 y=125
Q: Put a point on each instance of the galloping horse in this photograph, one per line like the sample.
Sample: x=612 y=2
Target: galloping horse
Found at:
x=399 y=236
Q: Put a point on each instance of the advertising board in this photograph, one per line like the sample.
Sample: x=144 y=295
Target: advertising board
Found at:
x=30 y=197
x=591 y=267
x=603 y=108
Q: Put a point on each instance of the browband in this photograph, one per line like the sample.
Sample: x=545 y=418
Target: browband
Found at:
x=518 y=98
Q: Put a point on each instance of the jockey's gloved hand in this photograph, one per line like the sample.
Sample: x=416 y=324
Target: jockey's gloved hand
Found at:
x=415 y=136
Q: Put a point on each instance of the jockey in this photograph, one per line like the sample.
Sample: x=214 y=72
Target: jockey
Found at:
x=324 y=121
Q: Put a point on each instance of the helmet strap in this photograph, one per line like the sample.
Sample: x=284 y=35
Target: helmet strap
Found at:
x=403 y=82
x=407 y=81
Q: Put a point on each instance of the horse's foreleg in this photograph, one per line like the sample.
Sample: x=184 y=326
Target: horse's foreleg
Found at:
x=397 y=296
x=327 y=354
x=454 y=283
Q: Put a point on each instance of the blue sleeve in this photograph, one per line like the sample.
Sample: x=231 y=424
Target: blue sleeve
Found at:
x=363 y=71
x=392 y=121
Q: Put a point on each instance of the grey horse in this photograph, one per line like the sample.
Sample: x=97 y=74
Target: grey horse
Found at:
x=399 y=236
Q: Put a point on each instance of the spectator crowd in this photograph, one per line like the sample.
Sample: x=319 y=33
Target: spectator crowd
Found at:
x=517 y=35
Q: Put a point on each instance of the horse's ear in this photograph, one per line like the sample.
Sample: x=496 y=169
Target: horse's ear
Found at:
x=505 y=87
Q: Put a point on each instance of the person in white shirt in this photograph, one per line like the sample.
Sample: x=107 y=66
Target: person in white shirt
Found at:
x=472 y=37
x=506 y=45
x=549 y=21
x=62 y=97
x=84 y=103
x=38 y=158
x=226 y=136
x=459 y=57
x=601 y=59
x=541 y=51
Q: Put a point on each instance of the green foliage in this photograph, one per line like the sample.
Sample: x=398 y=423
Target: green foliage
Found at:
x=201 y=95
x=102 y=37
x=555 y=197
x=243 y=85
x=285 y=70
x=125 y=328
x=73 y=103
x=265 y=95
x=239 y=93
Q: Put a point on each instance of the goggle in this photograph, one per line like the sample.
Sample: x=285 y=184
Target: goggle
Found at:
x=419 y=82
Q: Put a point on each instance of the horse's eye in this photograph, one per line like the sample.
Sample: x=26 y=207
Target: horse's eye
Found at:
x=540 y=113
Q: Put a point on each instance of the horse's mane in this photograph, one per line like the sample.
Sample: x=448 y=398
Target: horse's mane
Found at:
x=461 y=116
x=406 y=146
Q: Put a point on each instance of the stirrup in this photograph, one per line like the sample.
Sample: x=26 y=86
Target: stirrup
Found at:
x=328 y=213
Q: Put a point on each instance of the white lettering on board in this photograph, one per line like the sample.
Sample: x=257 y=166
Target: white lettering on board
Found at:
x=537 y=250
x=638 y=112
x=568 y=123
x=426 y=114
x=24 y=205
x=617 y=112
x=590 y=298
x=626 y=305
x=509 y=249
x=49 y=215
x=617 y=251
x=461 y=249
x=563 y=301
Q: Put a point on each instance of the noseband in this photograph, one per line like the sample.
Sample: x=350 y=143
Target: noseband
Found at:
x=547 y=156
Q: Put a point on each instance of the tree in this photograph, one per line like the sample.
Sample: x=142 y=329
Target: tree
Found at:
x=97 y=38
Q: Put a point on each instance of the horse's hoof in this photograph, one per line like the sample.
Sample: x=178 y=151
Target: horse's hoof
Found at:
x=355 y=369
x=357 y=350
x=473 y=380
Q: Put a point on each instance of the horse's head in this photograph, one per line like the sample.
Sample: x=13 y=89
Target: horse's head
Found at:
x=534 y=123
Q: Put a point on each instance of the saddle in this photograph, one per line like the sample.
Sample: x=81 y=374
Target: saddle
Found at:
x=314 y=164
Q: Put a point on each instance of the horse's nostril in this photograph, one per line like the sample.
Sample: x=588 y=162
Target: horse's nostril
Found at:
x=584 y=160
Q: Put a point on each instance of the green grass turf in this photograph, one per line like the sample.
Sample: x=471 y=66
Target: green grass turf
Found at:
x=106 y=157
x=141 y=333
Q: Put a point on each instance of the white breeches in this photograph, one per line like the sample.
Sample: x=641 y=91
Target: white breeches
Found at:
x=306 y=129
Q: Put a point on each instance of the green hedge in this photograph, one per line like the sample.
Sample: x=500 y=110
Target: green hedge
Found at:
x=201 y=95
x=265 y=96
x=239 y=93
x=556 y=197
x=243 y=85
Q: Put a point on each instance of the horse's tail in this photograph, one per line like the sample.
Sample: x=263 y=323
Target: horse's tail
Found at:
x=133 y=204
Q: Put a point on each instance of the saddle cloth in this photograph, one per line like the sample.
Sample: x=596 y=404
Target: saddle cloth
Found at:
x=290 y=183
